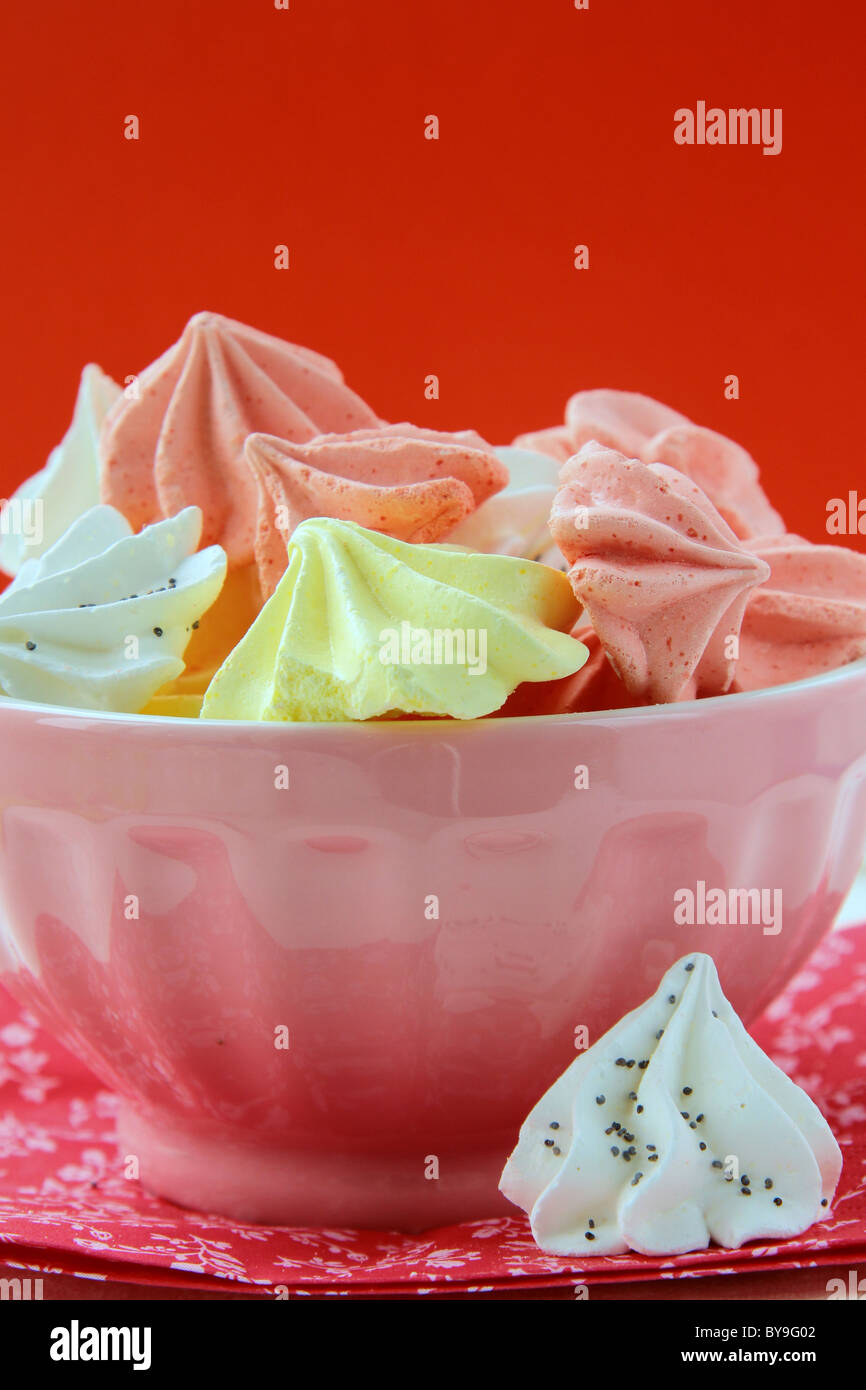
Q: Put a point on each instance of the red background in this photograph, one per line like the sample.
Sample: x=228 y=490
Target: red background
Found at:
x=261 y=126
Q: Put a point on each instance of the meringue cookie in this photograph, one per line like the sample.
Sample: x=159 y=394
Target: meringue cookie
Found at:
x=182 y=440
x=514 y=521
x=68 y=485
x=621 y=420
x=221 y=628
x=409 y=483
x=645 y=429
x=674 y=1129
x=102 y=619
x=809 y=616
x=185 y=705
x=555 y=443
x=351 y=631
x=724 y=471
x=662 y=577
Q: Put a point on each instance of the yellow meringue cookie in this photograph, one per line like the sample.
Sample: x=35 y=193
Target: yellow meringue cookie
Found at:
x=177 y=706
x=361 y=625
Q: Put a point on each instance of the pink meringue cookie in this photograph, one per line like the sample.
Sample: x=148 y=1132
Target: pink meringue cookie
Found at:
x=409 y=483
x=662 y=577
x=809 y=616
x=180 y=440
x=621 y=420
x=555 y=442
x=645 y=429
x=724 y=471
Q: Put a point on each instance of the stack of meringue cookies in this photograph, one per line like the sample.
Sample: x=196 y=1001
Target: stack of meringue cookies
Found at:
x=234 y=535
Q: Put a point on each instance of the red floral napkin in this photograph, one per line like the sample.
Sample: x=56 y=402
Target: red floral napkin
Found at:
x=65 y=1207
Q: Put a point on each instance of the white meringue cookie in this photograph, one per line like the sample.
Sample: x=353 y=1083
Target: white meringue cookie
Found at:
x=514 y=521
x=673 y=1130
x=68 y=485
x=101 y=621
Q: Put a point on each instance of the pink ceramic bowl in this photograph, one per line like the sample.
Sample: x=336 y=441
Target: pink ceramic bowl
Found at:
x=425 y=915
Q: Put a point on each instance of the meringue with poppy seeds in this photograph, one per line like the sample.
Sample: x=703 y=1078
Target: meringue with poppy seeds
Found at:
x=410 y=483
x=178 y=439
x=362 y=626
x=101 y=621
x=663 y=579
x=673 y=1130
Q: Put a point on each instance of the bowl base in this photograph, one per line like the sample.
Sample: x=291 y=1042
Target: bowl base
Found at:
x=265 y=1184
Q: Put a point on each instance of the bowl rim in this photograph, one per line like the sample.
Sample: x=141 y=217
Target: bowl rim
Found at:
x=703 y=708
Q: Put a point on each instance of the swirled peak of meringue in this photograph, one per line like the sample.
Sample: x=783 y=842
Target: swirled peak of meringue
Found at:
x=410 y=483
x=67 y=486
x=724 y=471
x=646 y=429
x=621 y=420
x=102 y=619
x=673 y=1130
x=662 y=577
x=809 y=616
x=363 y=626
x=180 y=442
